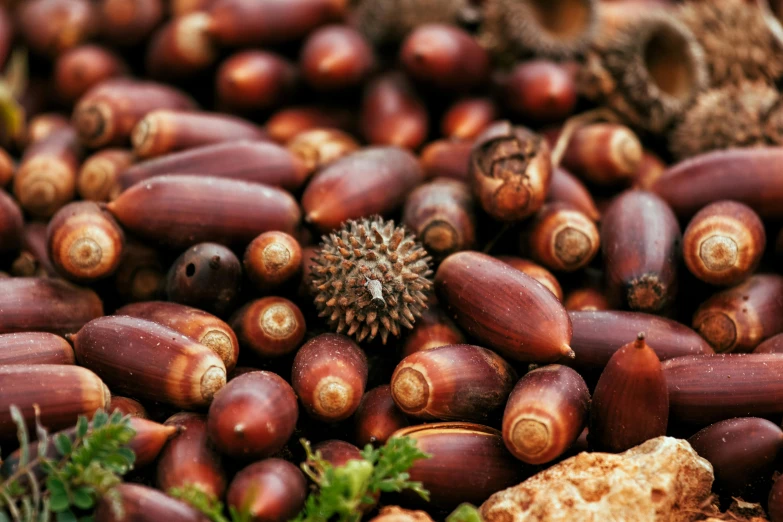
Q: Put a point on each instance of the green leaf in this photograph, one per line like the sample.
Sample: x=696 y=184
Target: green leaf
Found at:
x=82 y=425
x=99 y=420
x=83 y=498
x=128 y=455
x=56 y=486
x=465 y=513
x=66 y=516
x=63 y=444
x=59 y=502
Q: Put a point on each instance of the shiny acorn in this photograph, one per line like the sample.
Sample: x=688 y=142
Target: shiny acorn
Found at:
x=540 y=90
x=286 y=123
x=447 y=159
x=180 y=48
x=537 y=272
x=34 y=348
x=377 y=417
x=392 y=114
x=145 y=504
x=271 y=259
x=467 y=118
x=270 y=326
x=33 y=259
x=432 y=329
x=317 y=148
x=272 y=489
x=336 y=57
x=254 y=80
x=561 y=237
x=587 y=299
x=604 y=153
x=126 y=24
x=566 y=188
x=127 y=406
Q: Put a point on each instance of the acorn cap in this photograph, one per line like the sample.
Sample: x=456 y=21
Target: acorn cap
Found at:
x=738 y=44
x=726 y=117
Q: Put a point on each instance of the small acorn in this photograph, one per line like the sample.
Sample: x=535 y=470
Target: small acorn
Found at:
x=545 y=413
x=98 y=178
x=41 y=126
x=650 y=169
x=317 y=148
x=432 y=329
x=207 y=276
x=540 y=90
x=772 y=345
x=537 y=272
x=271 y=259
x=585 y=299
x=286 y=123
x=467 y=118
x=127 y=406
x=369 y=278
x=329 y=376
x=561 y=237
x=447 y=159
x=273 y=489
x=254 y=80
x=129 y=23
x=270 y=326
x=51 y=27
x=180 y=48
x=336 y=57
x=81 y=68
x=392 y=113
x=377 y=417
x=143 y=503
x=254 y=416
x=459 y=382
x=12 y=228
x=566 y=188
x=34 y=348
x=604 y=153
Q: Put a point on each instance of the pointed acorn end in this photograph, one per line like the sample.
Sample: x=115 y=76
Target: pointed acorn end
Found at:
x=566 y=351
x=640 y=343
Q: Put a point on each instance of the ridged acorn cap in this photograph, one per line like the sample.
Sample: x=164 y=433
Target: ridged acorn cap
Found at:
x=370 y=277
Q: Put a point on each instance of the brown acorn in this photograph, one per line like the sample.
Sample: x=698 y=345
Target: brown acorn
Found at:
x=604 y=153
x=468 y=463
x=723 y=243
x=270 y=326
x=561 y=237
x=180 y=48
x=392 y=113
x=336 y=57
x=640 y=240
x=85 y=242
x=40 y=304
x=317 y=148
x=772 y=345
x=127 y=23
x=183 y=210
x=459 y=382
x=337 y=452
x=587 y=299
x=34 y=348
x=51 y=27
x=447 y=159
x=566 y=188
x=271 y=259
x=255 y=161
x=163 y=131
x=370 y=278
x=254 y=416
x=189 y=459
x=467 y=118
x=254 y=80
x=140 y=275
x=599 y=334
x=81 y=68
x=537 y=272
x=270 y=490
x=207 y=276
x=503 y=308
x=163 y=365
x=190 y=322
x=286 y=123
x=7 y=167
x=144 y=504
x=149 y=440
x=545 y=413
x=704 y=389
x=329 y=375
x=41 y=126
x=540 y=90
x=742 y=453
x=62 y=393
x=738 y=319
x=378 y=417
x=440 y=213
x=107 y=113
x=389 y=21
x=34 y=259
x=432 y=329
x=46 y=177
x=127 y=406
x=510 y=170
x=100 y=172
x=11 y=224
x=650 y=169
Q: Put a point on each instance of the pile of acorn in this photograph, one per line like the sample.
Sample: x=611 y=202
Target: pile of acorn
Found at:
x=512 y=230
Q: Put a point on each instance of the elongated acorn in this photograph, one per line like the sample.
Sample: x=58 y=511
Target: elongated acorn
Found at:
x=273 y=489
x=34 y=348
x=377 y=417
x=604 y=153
x=545 y=413
x=159 y=363
x=270 y=326
x=503 y=308
x=537 y=272
x=144 y=504
x=207 y=276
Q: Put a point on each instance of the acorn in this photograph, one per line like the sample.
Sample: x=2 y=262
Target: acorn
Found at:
x=7 y=166
x=723 y=243
x=126 y=23
x=336 y=57
x=36 y=304
x=432 y=329
x=272 y=490
x=599 y=334
x=742 y=452
x=317 y=148
x=248 y=23
x=440 y=214
x=471 y=452
x=79 y=69
x=447 y=159
x=630 y=403
x=566 y=188
x=180 y=48
x=603 y=153
x=369 y=278
x=561 y=237
x=163 y=365
x=140 y=275
x=254 y=80
x=254 y=416
x=704 y=389
x=270 y=326
x=164 y=130
x=144 y=504
x=389 y=21
x=107 y=113
x=459 y=382
x=738 y=42
x=271 y=259
x=33 y=259
x=467 y=118
x=41 y=126
x=587 y=299
x=99 y=174
x=61 y=393
x=738 y=319
x=772 y=345
x=183 y=210
x=650 y=169
x=197 y=324
x=504 y=309
x=337 y=452
x=207 y=276
x=255 y=161
x=510 y=169
x=286 y=123
x=189 y=459
x=392 y=113
x=377 y=417
x=127 y=406
x=545 y=413
x=329 y=375
x=537 y=272
x=34 y=348
x=51 y=27
x=85 y=243
x=640 y=240
x=540 y=90
x=46 y=177
x=11 y=224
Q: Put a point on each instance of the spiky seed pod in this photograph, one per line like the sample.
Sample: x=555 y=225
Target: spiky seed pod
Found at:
x=370 y=277
x=729 y=116
x=737 y=42
x=649 y=90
